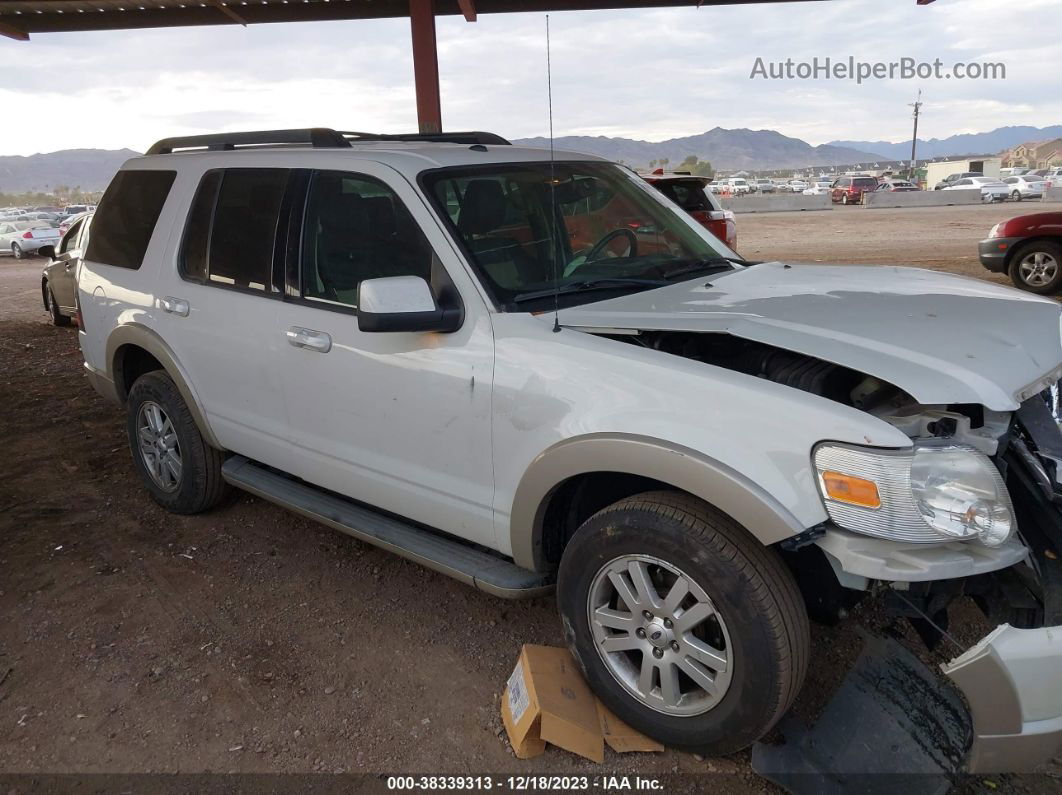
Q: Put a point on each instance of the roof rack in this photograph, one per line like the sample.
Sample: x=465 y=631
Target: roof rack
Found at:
x=316 y=137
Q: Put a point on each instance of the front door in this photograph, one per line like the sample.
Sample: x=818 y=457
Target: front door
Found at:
x=398 y=420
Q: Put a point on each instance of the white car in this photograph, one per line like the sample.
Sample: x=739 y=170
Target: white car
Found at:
x=22 y=238
x=735 y=185
x=1025 y=187
x=991 y=189
x=818 y=189
x=797 y=185
x=384 y=334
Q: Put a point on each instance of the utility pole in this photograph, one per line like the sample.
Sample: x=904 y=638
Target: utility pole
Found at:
x=917 y=105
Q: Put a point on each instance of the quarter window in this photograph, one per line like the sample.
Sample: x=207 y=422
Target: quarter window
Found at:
x=126 y=217
x=70 y=238
x=356 y=228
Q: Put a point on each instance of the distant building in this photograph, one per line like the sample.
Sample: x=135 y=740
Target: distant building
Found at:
x=1034 y=154
x=989 y=166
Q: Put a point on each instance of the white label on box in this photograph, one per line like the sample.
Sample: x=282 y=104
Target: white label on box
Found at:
x=518 y=698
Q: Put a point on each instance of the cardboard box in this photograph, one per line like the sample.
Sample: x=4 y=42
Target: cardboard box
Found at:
x=546 y=700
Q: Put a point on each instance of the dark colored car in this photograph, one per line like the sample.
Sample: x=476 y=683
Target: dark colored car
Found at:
x=1029 y=249
x=850 y=190
x=689 y=193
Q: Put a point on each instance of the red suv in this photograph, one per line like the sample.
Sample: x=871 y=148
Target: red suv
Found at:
x=689 y=193
x=850 y=190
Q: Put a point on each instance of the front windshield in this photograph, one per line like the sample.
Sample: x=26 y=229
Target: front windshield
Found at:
x=581 y=231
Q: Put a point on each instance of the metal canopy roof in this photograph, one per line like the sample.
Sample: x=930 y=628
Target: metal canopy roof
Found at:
x=18 y=19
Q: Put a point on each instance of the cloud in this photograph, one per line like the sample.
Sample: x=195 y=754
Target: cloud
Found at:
x=650 y=74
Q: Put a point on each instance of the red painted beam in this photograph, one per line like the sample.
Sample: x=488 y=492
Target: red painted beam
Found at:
x=425 y=65
x=13 y=33
x=468 y=8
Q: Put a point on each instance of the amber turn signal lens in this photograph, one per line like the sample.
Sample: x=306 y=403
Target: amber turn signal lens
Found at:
x=850 y=489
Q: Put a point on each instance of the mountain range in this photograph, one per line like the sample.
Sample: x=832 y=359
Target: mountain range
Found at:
x=87 y=169
x=967 y=144
x=725 y=149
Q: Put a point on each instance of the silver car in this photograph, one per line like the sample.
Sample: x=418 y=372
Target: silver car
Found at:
x=59 y=277
x=1025 y=187
x=21 y=238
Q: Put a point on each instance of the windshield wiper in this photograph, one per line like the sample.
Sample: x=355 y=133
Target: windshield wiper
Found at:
x=704 y=266
x=591 y=284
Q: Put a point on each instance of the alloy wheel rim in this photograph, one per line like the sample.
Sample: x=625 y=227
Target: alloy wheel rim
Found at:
x=1038 y=268
x=160 y=449
x=660 y=635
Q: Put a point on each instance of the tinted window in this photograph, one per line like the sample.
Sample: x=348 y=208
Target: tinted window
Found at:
x=864 y=182
x=245 y=227
x=127 y=216
x=687 y=195
x=356 y=228
x=197 y=230
x=231 y=228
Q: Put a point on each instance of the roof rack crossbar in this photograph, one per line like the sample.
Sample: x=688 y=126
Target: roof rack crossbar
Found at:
x=317 y=137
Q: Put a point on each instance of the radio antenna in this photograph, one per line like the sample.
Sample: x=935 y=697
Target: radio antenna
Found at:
x=553 y=243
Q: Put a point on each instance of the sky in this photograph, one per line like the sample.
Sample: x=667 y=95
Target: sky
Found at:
x=648 y=74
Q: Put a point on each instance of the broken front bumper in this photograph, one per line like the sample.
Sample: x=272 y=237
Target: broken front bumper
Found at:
x=1012 y=681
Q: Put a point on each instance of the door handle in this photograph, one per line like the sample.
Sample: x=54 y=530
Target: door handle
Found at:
x=309 y=339
x=175 y=306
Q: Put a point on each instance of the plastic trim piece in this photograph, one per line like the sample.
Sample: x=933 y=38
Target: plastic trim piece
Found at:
x=448 y=556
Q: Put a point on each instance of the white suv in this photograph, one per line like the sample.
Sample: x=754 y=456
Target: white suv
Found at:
x=530 y=372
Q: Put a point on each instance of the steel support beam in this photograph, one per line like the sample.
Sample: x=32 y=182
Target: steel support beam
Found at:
x=425 y=65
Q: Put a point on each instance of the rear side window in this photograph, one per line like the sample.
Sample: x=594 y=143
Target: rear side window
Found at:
x=126 y=217
x=865 y=182
x=232 y=226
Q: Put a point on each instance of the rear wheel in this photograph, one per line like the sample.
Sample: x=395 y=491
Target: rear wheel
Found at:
x=1037 y=267
x=58 y=318
x=17 y=251
x=844 y=198
x=179 y=469
x=685 y=626
x=1016 y=195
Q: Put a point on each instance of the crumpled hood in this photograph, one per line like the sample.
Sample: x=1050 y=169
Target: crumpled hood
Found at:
x=941 y=338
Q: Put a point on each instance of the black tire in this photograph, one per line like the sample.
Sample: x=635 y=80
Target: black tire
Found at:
x=844 y=198
x=753 y=591
x=200 y=485
x=1016 y=195
x=58 y=318
x=17 y=252
x=1046 y=247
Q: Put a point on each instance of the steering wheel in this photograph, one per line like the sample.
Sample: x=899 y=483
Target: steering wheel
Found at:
x=599 y=246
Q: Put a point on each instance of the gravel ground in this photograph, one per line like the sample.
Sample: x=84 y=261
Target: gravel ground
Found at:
x=249 y=640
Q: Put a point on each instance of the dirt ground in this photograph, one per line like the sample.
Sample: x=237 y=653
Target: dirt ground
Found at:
x=251 y=640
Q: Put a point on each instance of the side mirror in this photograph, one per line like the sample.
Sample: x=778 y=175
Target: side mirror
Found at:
x=47 y=251
x=402 y=303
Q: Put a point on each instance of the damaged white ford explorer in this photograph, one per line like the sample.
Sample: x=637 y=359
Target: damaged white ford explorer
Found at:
x=534 y=372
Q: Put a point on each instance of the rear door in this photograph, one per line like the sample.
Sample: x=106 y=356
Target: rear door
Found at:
x=218 y=308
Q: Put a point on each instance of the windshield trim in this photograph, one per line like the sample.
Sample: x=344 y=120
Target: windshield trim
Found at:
x=442 y=218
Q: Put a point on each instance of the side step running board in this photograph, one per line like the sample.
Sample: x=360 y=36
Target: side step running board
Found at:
x=447 y=556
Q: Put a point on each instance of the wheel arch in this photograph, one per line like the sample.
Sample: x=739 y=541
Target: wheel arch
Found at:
x=621 y=465
x=132 y=350
x=1012 y=252
x=44 y=291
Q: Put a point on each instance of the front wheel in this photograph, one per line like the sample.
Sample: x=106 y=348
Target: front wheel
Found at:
x=1037 y=267
x=180 y=470
x=844 y=198
x=684 y=625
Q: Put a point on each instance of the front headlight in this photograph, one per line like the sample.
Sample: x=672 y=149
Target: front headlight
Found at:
x=994 y=231
x=933 y=492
